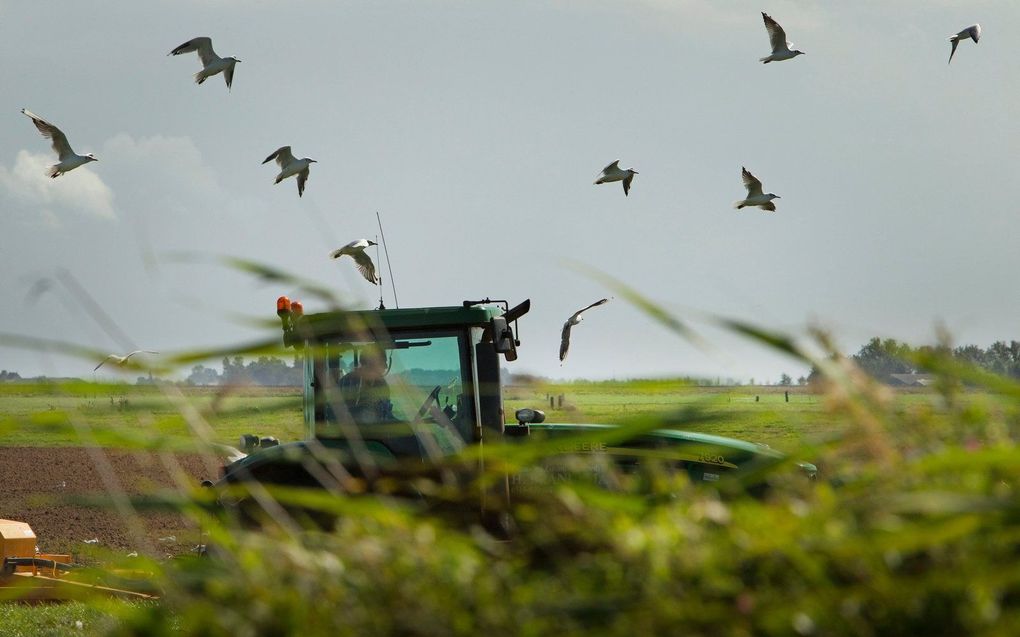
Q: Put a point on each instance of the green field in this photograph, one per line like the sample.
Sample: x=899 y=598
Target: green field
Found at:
x=128 y=415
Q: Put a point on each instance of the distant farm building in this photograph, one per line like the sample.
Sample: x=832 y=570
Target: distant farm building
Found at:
x=912 y=380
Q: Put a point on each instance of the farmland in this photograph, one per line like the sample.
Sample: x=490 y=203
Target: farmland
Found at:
x=75 y=414
x=915 y=448
x=129 y=416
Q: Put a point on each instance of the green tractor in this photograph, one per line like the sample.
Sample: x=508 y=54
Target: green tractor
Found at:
x=402 y=393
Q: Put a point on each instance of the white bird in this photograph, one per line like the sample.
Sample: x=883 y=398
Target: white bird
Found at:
x=356 y=250
x=574 y=319
x=755 y=196
x=290 y=166
x=613 y=172
x=121 y=360
x=69 y=160
x=777 y=38
x=973 y=32
x=211 y=63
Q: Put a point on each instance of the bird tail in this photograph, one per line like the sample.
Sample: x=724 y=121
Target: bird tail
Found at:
x=765 y=60
x=739 y=204
x=54 y=171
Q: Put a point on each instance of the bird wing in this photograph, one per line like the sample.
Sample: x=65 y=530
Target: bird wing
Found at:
x=51 y=132
x=565 y=340
x=139 y=351
x=228 y=76
x=626 y=184
x=282 y=155
x=203 y=45
x=752 y=183
x=771 y=207
x=301 y=179
x=777 y=37
x=105 y=360
x=365 y=265
x=974 y=31
x=953 y=52
x=612 y=166
x=573 y=317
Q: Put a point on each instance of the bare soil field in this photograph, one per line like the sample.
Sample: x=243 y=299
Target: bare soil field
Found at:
x=38 y=486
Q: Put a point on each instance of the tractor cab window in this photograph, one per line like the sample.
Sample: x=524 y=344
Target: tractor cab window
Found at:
x=415 y=380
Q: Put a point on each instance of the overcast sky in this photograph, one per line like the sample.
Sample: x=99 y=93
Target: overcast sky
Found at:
x=476 y=130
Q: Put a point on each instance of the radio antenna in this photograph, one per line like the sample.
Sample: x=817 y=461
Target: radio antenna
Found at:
x=378 y=279
x=389 y=266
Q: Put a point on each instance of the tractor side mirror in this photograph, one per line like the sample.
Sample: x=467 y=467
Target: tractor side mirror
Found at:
x=503 y=338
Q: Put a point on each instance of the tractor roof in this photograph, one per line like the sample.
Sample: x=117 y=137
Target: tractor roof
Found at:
x=359 y=321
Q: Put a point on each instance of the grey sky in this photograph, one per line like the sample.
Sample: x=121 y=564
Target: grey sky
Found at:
x=477 y=128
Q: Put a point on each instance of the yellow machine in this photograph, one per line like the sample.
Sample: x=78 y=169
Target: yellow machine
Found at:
x=28 y=575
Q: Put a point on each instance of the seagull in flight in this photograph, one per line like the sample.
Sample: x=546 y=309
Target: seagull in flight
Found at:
x=973 y=32
x=574 y=319
x=69 y=160
x=755 y=196
x=122 y=360
x=290 y=166
x=356 y=250
x=613 y=172
x=777 y=38
x=211 y=63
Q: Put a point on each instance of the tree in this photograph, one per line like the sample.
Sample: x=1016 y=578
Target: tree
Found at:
x=202 y=375
x=785 y=380
x=880 y=359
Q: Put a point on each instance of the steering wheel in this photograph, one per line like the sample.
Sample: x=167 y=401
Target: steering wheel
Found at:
x=431 y=398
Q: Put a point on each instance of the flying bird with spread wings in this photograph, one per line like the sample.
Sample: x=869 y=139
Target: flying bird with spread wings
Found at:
x=290 y=166
x=777 y=38
x=574 y=319
x=613 y=172
x=755 y=196
x=211 y=63
x=69 y=160
x=356 y=250
x=973 y=32
x=122 y=360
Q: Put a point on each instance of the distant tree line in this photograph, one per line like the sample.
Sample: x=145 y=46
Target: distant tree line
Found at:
x=882 y=358
x=9 y=376
x=266 y=370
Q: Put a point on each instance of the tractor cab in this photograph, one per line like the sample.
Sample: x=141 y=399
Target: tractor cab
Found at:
x=420 y=381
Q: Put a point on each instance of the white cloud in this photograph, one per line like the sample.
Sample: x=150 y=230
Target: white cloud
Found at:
x=168 y=158
x=80 y=191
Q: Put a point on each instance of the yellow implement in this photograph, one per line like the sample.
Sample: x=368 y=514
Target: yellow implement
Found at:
x=28 y=575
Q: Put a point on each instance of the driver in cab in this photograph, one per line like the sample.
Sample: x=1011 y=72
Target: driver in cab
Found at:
x=365 y=391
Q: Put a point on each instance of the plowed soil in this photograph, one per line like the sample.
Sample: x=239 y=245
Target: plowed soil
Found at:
x=48 y=489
